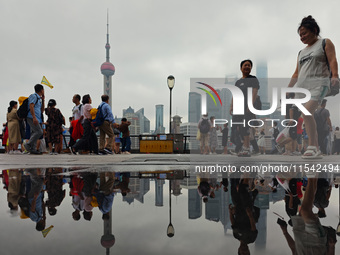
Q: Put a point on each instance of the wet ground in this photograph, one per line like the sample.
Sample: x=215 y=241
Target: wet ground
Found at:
x=91 y=205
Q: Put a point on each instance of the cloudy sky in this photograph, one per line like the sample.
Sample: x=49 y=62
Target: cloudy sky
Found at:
x=65 y=41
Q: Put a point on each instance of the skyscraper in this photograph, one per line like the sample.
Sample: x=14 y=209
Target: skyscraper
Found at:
x=139 y=124
x=212 y=109
x=194 y=107
x=159 y=128
x=262 y=76
x=107 y=68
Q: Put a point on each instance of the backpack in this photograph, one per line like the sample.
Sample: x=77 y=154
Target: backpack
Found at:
x=321 y=124
x=24 y=109
x=204 y=126
x=99 y=120
x=276 y=132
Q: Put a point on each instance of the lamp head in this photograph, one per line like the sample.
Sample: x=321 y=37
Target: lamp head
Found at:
x=171 y=82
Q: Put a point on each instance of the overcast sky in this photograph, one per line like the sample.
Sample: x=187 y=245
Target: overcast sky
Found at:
x=65 y=41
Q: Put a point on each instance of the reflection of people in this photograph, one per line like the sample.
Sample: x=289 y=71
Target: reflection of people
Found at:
x=310 y=236
x=243 y=215
x=105 y=193
x=36 y=198
x=76 y=187
x=322 y=195
x=88 y=190
x=54 y=188
x=14 y=181
x=247 y=81
x=292 y=200
x=206 y=185
x=312 y=73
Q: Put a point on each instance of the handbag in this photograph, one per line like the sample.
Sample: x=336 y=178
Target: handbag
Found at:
x=283 y=135
x=198 y=136
x=116 y=131
x=334 y=90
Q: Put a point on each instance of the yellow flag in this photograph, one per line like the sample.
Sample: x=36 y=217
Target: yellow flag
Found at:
x=46 y=82
x=47 y=230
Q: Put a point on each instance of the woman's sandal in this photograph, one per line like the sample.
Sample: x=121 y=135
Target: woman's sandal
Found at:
x=312 y=153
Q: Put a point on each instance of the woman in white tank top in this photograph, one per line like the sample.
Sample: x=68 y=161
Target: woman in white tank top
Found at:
x=312 y=73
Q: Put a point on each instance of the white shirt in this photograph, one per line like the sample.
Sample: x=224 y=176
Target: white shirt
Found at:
x=76 y=112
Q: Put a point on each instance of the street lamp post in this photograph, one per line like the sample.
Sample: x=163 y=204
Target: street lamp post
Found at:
x=171 y=84
x=170 y=232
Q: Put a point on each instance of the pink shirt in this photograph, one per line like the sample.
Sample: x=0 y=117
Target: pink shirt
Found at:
x=87 y=108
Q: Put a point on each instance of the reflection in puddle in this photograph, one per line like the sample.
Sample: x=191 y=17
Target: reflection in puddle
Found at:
x=129 y=212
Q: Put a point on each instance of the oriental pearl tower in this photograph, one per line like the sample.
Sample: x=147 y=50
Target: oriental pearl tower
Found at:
x=107 y=68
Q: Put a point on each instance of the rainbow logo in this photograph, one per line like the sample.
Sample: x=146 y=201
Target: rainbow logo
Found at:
x=209 y=93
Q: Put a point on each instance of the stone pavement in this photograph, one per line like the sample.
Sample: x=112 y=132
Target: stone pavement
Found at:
x=152 y=162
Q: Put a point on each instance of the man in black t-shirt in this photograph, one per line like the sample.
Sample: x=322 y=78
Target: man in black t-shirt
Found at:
x=247 y=81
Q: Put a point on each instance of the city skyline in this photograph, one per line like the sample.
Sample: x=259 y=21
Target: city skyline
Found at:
x=69 y=52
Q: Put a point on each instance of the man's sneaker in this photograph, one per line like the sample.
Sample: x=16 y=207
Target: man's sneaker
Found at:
x=108 y=151
x=35 y=152
x=73 y=151
x=255 y=153
x=127 y=152
x=26 y=146
x=296 y=153
x=102 y=152
x=232 y=152
x=244 y=153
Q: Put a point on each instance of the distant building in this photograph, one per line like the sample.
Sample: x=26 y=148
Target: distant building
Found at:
x=212 y=109
x=159 y=127
x=262 y=76
x=175 y=124
x=194 y=107
x=190 y=129
x=107 y=69
x=138 y=188
x=139 y=124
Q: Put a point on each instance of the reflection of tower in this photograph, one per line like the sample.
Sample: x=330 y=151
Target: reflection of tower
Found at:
x=212 y=208
x=159 y=192
x=107 y=68
x=224 y=209
x=108 y=240
x=261 y=239
x=194 y=204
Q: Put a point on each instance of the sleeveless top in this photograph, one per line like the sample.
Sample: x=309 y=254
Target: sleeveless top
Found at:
x=313 y=71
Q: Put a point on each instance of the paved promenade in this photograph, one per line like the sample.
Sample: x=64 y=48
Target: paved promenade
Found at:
x=153 y=162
